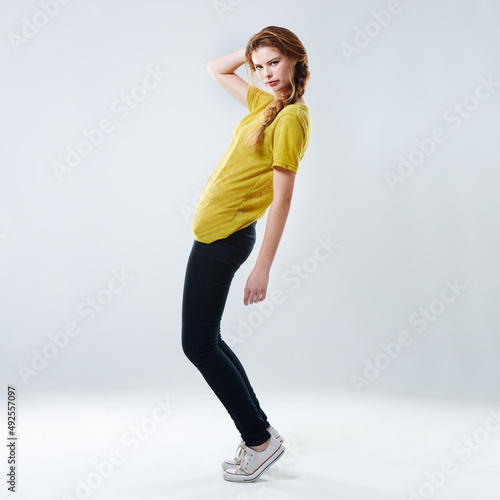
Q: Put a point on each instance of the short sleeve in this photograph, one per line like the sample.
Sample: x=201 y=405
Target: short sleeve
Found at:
x=289 y=141
x=257 y=97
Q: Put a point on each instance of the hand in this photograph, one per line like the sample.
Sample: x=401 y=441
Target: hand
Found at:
x=256 y=287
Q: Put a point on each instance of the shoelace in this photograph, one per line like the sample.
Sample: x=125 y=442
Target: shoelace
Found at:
x=240 y=452
x=244 y=466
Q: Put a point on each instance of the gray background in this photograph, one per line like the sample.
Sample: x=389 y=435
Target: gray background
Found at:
x=129 y=203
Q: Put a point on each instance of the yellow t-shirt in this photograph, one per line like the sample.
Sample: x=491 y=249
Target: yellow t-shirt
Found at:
x=240 y=189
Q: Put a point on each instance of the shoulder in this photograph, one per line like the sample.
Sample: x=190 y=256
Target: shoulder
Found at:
x=294 y=116
x=260 y=92
x=257 y=97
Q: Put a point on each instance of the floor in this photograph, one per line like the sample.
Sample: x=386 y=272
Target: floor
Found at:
x=338 y=446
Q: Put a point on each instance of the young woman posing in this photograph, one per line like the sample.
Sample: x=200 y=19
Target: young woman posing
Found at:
x=257 y=172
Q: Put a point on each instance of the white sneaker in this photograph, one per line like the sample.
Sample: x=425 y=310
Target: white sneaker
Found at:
x=254 y=463
x=240 y=451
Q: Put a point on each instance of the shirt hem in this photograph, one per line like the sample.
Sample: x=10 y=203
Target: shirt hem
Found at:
x=279 y=163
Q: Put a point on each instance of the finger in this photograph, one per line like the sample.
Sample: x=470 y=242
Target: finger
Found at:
x=246 y=297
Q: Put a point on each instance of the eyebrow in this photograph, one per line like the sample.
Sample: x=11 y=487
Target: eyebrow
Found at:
x=270 y=60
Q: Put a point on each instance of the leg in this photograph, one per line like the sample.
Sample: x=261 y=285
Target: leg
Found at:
x=210 y=270
x=236 y=362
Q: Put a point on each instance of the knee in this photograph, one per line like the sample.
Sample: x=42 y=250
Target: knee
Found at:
x=188 y=347
x=194 y=349
x=191 y=347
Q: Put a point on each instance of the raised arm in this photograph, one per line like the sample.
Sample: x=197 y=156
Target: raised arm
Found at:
x=222 y=69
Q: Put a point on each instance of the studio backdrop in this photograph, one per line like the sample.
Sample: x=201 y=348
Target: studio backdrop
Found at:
x=386 y=277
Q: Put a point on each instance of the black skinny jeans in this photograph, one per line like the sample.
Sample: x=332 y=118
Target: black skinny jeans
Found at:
x=210 y=270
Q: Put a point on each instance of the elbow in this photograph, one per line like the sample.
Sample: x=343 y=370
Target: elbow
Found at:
x=212 y=71
x=212 y=67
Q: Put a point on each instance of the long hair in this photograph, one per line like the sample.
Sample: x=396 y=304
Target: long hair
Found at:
x=290 y=45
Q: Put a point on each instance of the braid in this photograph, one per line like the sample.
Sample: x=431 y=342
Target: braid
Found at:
x=288 y=43
x=256 y=138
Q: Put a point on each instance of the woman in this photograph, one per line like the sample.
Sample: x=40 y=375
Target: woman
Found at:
x=257 y=171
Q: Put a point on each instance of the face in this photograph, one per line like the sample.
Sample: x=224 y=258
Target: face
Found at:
x=271 y=65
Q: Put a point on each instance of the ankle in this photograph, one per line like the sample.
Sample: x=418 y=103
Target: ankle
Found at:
x=261 y=447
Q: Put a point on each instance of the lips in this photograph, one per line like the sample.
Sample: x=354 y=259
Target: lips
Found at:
x=271 y=82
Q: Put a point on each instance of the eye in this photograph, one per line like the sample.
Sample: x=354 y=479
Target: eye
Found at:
x=275 y=62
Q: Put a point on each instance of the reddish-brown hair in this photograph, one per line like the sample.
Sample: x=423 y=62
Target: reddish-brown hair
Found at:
x=290 y=45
